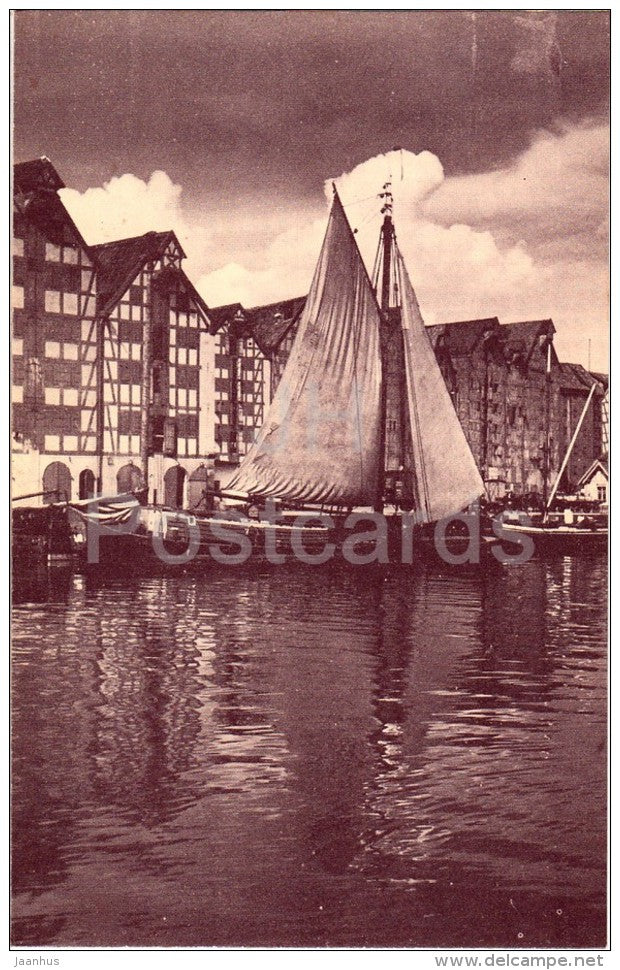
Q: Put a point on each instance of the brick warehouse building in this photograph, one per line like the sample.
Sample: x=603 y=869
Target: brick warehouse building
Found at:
x=118 y=366
x=497 y=377
x=112 y=357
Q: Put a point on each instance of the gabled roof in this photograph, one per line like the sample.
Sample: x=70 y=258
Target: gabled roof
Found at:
x=461 y=337
x=35 y=188
x=598 y=465
x=119 y=262
x=267 y=325
x=529 y=330
x=221 y=315
x=36 y=176
x=524 y=336
x=270 y=324
x=574 y=377
x=36 y=184
x=603 y=379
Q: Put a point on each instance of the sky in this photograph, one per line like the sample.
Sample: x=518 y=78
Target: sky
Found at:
x=229 y=127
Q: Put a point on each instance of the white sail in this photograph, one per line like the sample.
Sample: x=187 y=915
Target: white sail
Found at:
x=320 y=442
x=447 y=477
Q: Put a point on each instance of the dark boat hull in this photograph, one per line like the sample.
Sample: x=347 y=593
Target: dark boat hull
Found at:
x=192 y=542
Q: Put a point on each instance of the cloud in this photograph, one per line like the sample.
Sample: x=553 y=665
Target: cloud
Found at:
x=127 y=206
x=557 y=188
x=288 y=265
x=524 y=242
x=528 y=241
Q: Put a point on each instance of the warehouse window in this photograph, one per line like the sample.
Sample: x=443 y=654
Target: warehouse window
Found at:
x=70 y=303
x=52 y=301
x=57 y=302
x=18 y=246
x=18 y=346
x=18 y=394
x=52 y=395
x=52 y=252
x=18 y=297
x=52 y=348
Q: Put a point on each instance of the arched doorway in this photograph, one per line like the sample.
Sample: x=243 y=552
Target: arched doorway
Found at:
x=129 y=479
x=57 y=483
x=174 y=482
x=87 y=483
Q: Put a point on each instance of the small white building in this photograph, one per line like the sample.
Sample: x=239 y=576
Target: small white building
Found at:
x=593 y=484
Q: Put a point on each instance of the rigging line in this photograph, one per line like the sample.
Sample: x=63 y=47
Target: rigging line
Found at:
x=412 y=395
x=371 y=215
x=357 y=397
x=376 y=268
x=358 y=201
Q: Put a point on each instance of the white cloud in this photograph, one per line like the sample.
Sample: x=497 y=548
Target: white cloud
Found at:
x=558 y=186
x=127 y=206
x=288 y=265
x=524 y=242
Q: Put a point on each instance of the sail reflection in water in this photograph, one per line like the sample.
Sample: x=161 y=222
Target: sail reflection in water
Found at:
x=413 y=759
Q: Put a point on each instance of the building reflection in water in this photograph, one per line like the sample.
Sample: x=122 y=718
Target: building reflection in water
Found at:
x=373 y=759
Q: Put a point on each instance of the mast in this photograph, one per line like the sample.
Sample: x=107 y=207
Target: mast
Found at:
x=99 y=403
x=393 y=416
x=387 y=233
x=384 y=259
x=547 y=440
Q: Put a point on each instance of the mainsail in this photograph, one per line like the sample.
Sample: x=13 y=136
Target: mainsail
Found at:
x=446 y=475
x=321 y=440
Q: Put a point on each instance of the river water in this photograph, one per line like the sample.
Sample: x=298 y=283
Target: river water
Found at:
x=307 y=758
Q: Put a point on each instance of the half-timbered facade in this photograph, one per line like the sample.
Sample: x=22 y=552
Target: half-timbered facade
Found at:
x=241 y=385
x=112 y=358
x=123 y=379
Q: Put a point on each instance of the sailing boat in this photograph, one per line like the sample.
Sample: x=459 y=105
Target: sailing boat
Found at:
x=362 y=416
x=361 y=419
